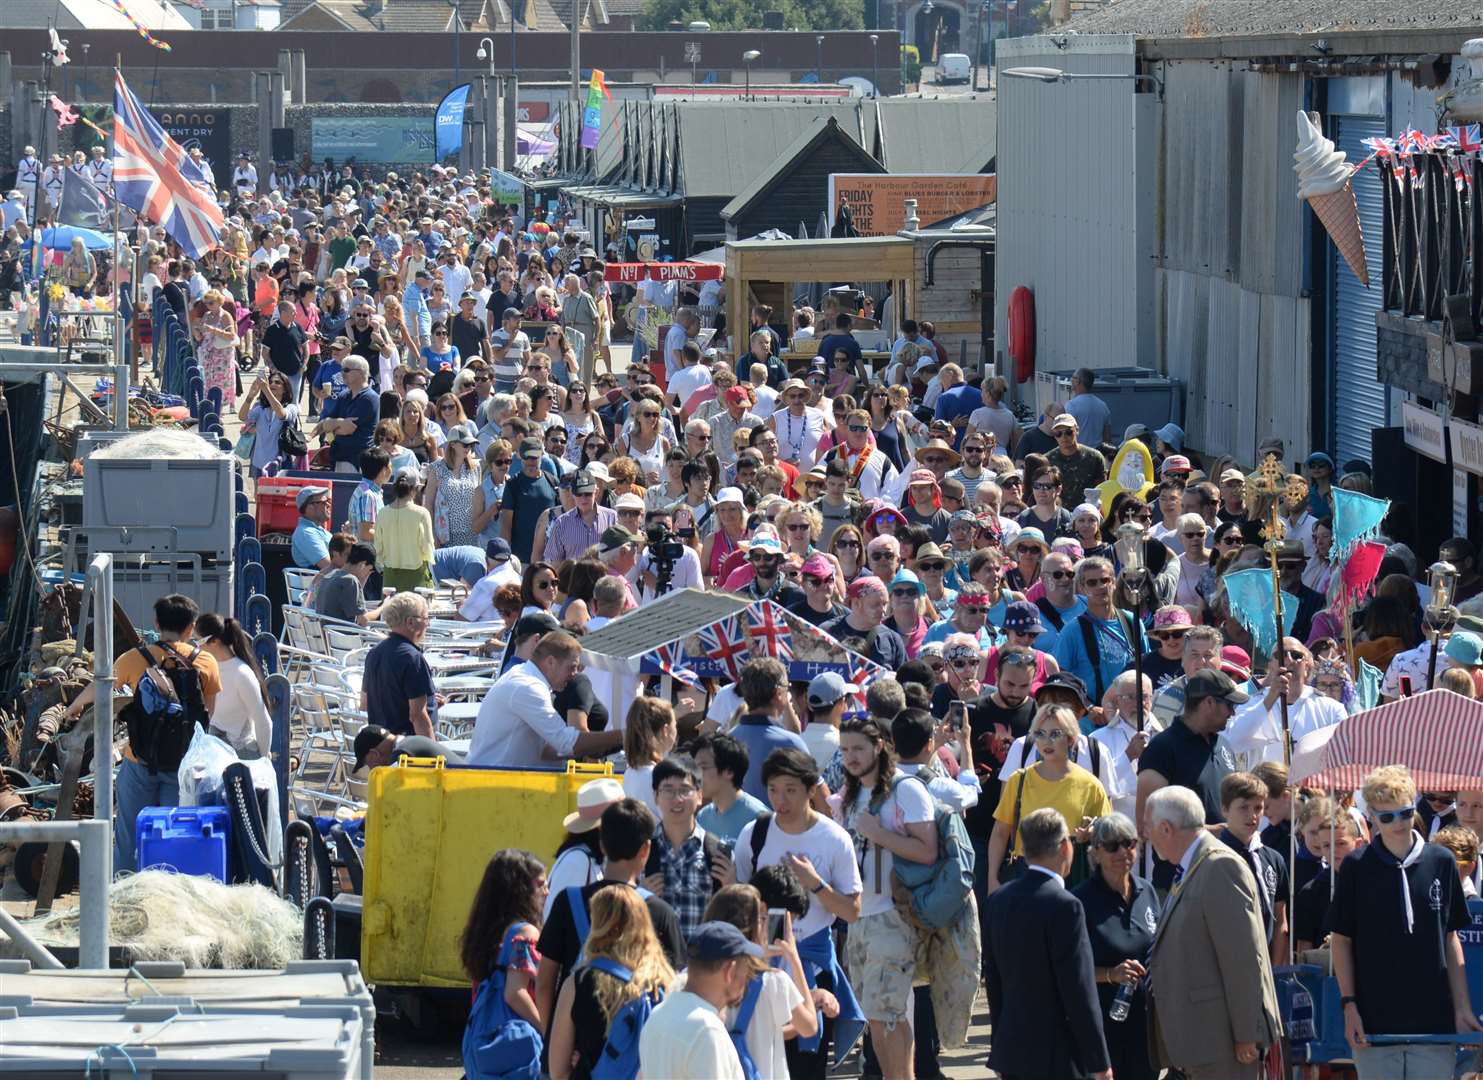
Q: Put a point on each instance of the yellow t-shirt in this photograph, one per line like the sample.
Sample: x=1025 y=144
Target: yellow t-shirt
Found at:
x=1076 y=795
x=404 y=537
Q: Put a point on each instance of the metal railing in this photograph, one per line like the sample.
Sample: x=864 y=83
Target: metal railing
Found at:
x=1432 y=214
x=95 y=836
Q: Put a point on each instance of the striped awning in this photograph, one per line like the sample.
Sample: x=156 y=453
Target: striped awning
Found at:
x=1438 y=735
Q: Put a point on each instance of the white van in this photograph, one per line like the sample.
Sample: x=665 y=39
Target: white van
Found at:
x=954 y=67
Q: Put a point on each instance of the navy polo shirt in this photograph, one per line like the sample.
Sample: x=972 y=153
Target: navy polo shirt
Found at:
x=1186 y=758
x=365 y=409
x=396 y=672
x=1400 y=972
x=1119 y=930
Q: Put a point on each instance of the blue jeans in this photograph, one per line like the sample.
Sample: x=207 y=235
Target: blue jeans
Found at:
x=134 y=789
x=1405 y=1062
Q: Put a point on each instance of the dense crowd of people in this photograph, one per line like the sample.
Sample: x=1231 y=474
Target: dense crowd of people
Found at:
x=1097 y=753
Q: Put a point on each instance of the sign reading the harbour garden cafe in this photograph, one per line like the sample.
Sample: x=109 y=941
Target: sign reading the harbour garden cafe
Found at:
x=1425 y=431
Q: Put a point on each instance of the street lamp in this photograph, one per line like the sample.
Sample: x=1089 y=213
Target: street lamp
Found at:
x=1053 y=75
x=83 y=96
x=875 y=69
x=747 y=58
x=986 y=8
x=1128 y=548
x=1440 y=614
x=819 y=56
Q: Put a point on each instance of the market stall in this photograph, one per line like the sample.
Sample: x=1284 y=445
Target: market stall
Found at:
x=767 y=271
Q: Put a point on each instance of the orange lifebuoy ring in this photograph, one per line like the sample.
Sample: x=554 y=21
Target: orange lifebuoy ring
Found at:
x=1022 y=333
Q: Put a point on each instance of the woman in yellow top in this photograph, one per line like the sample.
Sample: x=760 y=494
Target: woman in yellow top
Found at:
x=404 y=537
x=1055 y=780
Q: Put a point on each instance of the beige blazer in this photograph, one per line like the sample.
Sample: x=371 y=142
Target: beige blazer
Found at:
x=1210 y=973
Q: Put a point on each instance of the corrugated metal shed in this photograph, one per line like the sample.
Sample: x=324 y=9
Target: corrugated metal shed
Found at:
x=1237 y=330
x=1068 y=214
x=723 y=145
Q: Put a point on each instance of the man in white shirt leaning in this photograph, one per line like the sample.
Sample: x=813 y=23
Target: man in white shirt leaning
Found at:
x=1123 y=740
x=518 y=725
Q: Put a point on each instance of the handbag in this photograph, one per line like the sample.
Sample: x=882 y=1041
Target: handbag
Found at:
x=245 y=442
x=291 y=441
x=1014 y=865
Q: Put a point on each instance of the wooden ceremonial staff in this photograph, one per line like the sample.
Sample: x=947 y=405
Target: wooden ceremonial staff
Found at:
x=1280 y=492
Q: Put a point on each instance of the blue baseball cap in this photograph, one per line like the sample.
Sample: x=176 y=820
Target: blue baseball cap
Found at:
x=497 y=550
x=715 y=941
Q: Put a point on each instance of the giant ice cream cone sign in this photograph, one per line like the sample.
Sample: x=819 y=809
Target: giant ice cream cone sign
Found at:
x=1324 y=179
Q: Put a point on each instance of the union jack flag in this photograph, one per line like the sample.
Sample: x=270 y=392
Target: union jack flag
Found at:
x=153 y=176
x=725 y=643
x=670 y=659
x=1468 y=138
x=769 y=631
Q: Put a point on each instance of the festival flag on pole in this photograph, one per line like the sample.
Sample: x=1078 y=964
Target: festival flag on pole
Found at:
x=82 y=204
x=1250 y=595
x=597 y=90
x=153 y=176
x=1356 y=517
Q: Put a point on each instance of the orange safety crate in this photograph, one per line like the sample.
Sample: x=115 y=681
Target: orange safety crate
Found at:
x=276 y=510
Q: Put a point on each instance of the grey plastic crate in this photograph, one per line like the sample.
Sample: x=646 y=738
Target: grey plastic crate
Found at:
x=136 y=587
x=194 y=495
x=314 y=1020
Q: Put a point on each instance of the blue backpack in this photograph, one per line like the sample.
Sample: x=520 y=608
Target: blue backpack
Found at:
x=581 y=921
x=742 y=1022
x=931 y=895
x=497 y=1044
x=620 y=1054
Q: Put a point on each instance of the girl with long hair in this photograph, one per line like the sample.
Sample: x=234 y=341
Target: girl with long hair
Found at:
x=622 y=933
x=499 y=940
x=241 y=716
x=537 y=588
x=649 y=733
x=580 y=419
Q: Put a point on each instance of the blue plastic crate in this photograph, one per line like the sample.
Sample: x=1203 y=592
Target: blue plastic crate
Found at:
x=188 y=839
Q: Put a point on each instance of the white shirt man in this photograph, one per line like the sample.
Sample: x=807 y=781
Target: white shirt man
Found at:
x=100 y=171
x=1255 y=732
x=479 y=606
x=517 y=722
x=244 y=179
x=28 y=175
x=456 y=279
x=674 y=341
x=205 y=166
x=53 y=178
x=1119 y=734
x=690 y=378
x=875 y=472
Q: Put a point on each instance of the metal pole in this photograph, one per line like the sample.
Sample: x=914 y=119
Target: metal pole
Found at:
x=100 y=584
x=37 y=953
x=120 y=361
x=576 y=92
x=96 y=840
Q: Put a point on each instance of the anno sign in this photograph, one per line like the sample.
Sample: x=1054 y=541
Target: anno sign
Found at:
x=1425 y=431
x=1467 y=445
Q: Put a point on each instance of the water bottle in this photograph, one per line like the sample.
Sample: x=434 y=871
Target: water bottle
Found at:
x=1122 y=1002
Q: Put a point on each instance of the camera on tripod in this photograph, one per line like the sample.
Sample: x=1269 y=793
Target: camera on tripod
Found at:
x=665 y=549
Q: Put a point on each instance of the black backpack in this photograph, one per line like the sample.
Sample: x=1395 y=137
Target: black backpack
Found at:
x=167 y=706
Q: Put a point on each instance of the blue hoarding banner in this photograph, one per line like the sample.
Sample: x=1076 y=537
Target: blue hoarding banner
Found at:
x=448 y=122
x=389 y=140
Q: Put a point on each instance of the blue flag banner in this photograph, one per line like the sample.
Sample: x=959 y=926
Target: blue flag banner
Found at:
x=1250 y=596
x=448 y=122
x=1356 y=517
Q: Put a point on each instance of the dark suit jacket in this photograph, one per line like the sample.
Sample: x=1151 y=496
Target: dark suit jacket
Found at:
x=1042 y=989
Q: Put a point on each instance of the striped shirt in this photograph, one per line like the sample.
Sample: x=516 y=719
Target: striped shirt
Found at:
x=570 y=535
x=365 y=503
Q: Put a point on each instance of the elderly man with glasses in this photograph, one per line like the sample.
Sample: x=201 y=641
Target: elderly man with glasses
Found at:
x=351 y=416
